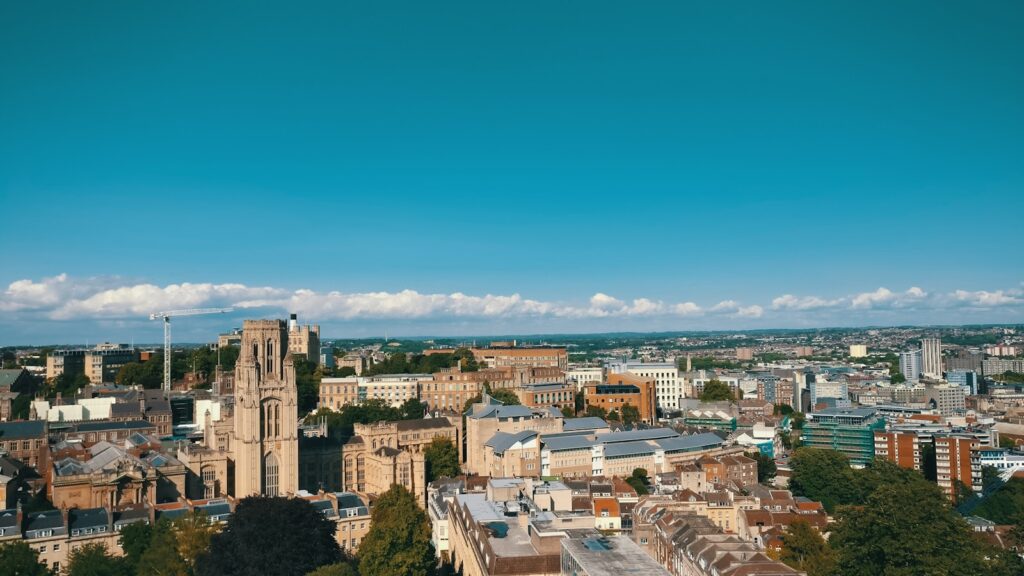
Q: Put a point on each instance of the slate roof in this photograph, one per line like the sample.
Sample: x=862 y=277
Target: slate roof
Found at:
x=628 y=449
x=423 y=424
x=559 y=443
x=8 y=518
x=22 y=429
x=634 y=435
x=502 y=441
x=348 y=500
x=44 y=520
x=689 y=443
x=105 y=425
x=500 y=411
x=80 y=518
x=9 y=376
x=584 y=423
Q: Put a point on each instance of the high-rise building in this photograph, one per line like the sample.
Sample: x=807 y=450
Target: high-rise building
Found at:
x=858 y=350
x=953 y=469
x=965 y=379
x=910 y=365
x=850 y=431
x=931 y=357
x=265 y=444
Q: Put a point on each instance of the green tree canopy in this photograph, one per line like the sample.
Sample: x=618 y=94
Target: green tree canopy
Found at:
x=135 y=539
x=803 y=548
x=766 y=468
x=716 y=391
x=596 y=411
x=161 y=558
x=271 y=537
x=19 y=559
x=442 y=459
x=630 y=414
x=1005 y=505
x=95 y=560
x=339 y=569
x=398 y=543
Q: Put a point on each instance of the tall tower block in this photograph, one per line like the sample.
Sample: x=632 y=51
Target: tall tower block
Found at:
x=266 y=413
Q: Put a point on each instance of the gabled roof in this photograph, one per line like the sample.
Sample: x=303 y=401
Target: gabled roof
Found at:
x=9 y=376
x=502 y=441
x=48 y=519
x=79 y=518
x=8 y=518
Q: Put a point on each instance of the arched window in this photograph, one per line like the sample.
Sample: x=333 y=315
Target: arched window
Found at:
x=270 y=356
x=270 y=475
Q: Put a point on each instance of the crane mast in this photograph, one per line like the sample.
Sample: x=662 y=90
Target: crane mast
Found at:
x=166 y=317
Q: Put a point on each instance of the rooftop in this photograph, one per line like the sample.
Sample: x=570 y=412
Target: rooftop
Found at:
x=613 y=556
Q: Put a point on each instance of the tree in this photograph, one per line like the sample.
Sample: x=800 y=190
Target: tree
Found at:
x=630 y=414
x=803 y=548
x=904 y=527
x=796 y=421
x=567 y=412
x=597 y=412
x=135 y=539
x=413 y=409
x=716 y=391
x=766 y=467
x=897 y=378
x=614 y=416
x=1005 y=505
x=307 y=383
x=989 y=478
x=1007 y=442
x=271 y=536
x=19 y=559
x=339 y=569
x=928 y=462
x=398 y=543
x=505 y=396
x=442 y=459
x=94 y=560
x=579 y=402
x=822 y=475
x=193 y=533
x=161 y=557
x=783 y=410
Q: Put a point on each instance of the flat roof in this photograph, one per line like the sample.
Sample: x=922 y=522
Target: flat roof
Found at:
x=612 y=556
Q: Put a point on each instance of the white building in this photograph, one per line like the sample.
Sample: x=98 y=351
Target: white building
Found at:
x=83 y=409
x=858 y=350
x=931 y=357
x=668 y=386
x=583 y=375
x=910 y=365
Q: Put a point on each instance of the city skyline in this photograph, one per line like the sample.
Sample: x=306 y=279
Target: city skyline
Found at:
x=652 y=168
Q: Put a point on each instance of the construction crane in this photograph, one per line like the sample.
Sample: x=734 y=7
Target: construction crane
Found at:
x=166 y=316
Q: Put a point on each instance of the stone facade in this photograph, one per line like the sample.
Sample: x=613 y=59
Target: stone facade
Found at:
x=265 y=444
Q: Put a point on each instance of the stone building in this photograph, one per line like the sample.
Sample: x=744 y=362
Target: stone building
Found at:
x=265 y=443
x=385 y=453
x=303 y=341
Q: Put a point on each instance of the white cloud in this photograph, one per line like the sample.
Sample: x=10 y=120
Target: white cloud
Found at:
x=754 y=311
x=63 y=297
x=791 y=302
x=885 y=298
x=986 y=299
x=687 y=309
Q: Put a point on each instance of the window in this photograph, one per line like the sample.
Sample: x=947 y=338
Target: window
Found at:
x=270 y=475
x=56 y=547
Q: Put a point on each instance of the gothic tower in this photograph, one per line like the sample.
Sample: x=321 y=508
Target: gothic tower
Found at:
x=266 y=444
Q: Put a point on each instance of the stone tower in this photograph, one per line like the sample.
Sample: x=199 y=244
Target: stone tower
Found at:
x=266 y=443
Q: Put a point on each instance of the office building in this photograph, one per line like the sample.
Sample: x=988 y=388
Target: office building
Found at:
x=965 y=379
x=668 y=386
x=858 y=350
x=623 y=389
x=847 y=430
x=910 y=365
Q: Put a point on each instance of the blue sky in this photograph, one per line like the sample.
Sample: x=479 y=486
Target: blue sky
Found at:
x=666 y=153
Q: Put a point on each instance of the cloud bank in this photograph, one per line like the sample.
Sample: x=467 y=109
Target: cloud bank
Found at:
x=65 y=298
